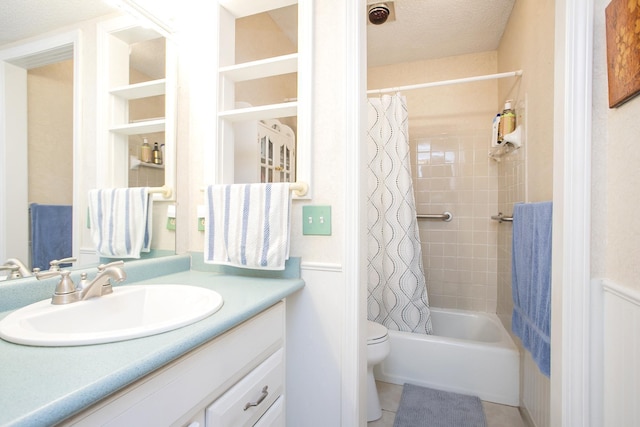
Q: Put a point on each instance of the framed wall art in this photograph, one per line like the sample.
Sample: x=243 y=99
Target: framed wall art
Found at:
x=623 y=50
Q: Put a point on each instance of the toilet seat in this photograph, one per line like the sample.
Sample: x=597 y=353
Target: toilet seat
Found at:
x=376 y=333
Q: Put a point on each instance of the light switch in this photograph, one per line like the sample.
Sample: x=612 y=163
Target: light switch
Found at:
x=316 y=220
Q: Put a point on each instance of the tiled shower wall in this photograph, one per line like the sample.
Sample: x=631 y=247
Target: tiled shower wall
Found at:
x=452 y=172
x=512 y=178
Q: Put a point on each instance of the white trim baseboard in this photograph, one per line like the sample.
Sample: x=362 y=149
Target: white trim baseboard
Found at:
x=628 y=294
x=320 y=266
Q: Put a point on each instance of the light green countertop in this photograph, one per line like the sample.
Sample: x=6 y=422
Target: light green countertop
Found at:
x=44 y=385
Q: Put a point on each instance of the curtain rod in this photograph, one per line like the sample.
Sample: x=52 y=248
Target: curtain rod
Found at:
x=447 y=82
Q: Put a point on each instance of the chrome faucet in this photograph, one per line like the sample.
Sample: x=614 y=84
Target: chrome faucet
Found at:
x=66 y=291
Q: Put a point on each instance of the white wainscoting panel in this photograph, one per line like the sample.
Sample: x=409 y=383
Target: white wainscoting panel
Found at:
x=621 y=356
x=315 y=316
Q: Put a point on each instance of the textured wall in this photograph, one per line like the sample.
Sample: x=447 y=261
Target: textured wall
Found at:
x=50 y=130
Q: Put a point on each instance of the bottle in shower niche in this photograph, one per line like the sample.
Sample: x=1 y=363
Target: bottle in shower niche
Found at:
x=145 y=151
x=494 y=131
x=507 y=121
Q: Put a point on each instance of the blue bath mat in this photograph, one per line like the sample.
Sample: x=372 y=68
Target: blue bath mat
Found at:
x=425 y=407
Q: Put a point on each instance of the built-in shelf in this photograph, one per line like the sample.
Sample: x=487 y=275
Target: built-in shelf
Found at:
x=268 y=67
x=135 y=163
x=141 y=90
x=139 y=128
x=271 y=111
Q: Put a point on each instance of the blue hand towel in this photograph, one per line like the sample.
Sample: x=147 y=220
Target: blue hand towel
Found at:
x=531 y=279
x=121 y=221
x=247 y=225
x=50 y=234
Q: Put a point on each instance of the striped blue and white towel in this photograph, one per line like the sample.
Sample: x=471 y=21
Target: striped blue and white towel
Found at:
x=121 y=221
x=247 y=225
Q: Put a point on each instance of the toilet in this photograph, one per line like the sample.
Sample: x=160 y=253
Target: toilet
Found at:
x=378 y=348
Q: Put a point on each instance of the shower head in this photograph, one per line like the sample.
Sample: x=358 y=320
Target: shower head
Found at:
x=378 y=13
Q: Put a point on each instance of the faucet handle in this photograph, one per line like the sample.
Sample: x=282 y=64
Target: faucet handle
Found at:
x=65 y=289
x=103 y=267
x=55 y=264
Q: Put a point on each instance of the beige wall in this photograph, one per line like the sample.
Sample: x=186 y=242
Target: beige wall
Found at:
x=615 y=175
x=527 y=44
x=50 y=133
x=450 y=134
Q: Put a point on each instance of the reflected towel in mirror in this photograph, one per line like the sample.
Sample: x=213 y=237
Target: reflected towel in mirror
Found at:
x=121 y=221
x=50 y=234
x=247 y=225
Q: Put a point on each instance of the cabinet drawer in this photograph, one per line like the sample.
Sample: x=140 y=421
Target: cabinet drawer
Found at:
x=274 y=417
x=244 y=403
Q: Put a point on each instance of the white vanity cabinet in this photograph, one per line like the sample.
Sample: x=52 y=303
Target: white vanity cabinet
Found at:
x=210 y=386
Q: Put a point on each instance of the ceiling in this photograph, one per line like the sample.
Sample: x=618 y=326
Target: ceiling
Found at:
x=427 y=29
x=20 y=19
x=423 y=29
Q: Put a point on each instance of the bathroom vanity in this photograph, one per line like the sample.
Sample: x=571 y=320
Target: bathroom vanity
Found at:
x=225 y=370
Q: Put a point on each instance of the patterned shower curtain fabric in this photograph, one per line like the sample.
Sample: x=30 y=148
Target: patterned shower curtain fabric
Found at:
x=397 y=290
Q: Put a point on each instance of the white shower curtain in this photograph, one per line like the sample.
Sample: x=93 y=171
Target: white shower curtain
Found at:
x=397 y=291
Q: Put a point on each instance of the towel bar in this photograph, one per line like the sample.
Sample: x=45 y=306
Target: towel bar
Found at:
x=164 y=190
x=501 y=218
x=299 y=188
x=446 y=216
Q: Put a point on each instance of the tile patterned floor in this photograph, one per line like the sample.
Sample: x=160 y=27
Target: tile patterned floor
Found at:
x=496 y=415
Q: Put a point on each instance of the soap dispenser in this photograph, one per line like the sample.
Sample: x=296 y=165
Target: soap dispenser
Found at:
x=145 y=152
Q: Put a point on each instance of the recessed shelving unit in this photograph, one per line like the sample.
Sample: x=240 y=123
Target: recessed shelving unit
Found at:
x=138 y=97
x=262 y=74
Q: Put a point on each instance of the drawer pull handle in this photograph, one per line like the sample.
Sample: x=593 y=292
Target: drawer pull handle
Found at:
x=263 y=396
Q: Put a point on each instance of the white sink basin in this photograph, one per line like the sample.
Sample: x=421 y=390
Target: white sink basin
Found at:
x=129 y=312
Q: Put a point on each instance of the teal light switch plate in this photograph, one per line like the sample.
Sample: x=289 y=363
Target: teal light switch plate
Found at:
x=316 y=220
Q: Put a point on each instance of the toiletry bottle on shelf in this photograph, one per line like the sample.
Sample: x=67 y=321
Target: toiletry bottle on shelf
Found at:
x=155 y=154
x=507 y=121
x=494 y=131
x=145 y=152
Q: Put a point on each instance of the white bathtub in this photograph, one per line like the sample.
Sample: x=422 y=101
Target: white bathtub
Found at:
x=469 y=352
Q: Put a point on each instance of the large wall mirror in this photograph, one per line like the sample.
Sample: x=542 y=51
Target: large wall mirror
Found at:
x=50 y=125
